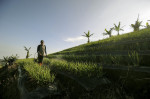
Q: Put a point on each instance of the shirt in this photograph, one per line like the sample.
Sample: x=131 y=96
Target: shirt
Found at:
x=41 y=50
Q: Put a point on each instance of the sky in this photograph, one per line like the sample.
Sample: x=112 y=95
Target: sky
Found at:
x=60 y=23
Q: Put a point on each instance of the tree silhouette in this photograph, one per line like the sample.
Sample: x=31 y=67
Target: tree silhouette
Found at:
x=118 y=28
x=11 y=59
x=108 y=32
x=88 y=35
x=27 y=56
x=136 y=26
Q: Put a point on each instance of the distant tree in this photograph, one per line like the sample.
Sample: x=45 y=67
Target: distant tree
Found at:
x=108 y=32
x=27 y=56
x=88 y=35
x=10 y=60
x=136 y=26
x=147 y=25
x=118 y=28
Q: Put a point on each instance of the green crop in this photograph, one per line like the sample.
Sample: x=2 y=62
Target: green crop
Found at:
x=81 y=69
x=40 y=73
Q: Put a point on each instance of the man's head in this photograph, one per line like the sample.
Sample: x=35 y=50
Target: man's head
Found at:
x=42 y=42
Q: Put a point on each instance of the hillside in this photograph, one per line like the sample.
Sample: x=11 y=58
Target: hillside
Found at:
x=106 y=69
x=127 y=49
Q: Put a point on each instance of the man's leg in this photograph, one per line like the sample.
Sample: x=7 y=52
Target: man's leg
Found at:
x=40 y=60
x=40 y=64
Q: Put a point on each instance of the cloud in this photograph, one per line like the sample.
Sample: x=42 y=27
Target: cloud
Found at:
x=76 y=39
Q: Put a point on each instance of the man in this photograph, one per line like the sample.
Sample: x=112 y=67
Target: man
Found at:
x=41 y=50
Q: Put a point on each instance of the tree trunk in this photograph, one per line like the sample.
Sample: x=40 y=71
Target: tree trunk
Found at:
x=109 y=35
x=27 y=55
x=88 y=40
x=118 y=32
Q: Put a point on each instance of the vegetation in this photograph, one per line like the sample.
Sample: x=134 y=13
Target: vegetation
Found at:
x=28 y=55
x=11 y=59
x=147 y=25
x=138 y=40
x=80 y=69
x=136 y=26
x=108 y=32
x=88 y=35
x=132 y=58
x=41 y=74
x=1 y=66
x=127 y=49
x=118 y=28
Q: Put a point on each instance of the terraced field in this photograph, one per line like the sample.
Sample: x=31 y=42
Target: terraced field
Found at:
x=131 y=49
x=113 y=68
x=124 y=57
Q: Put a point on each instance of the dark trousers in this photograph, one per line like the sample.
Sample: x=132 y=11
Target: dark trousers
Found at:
x=40 y=58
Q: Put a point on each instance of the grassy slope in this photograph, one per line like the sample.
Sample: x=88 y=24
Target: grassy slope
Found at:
x=134 y=41
x=139 y=35
x=37 y=72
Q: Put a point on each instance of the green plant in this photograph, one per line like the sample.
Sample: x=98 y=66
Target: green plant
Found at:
x=136 y=26
x=1 y=66
x=46 y=61
x=11 y=59
x=28 y=55
x=118 y=28
x=147 y=25
x=88 y=35
x=116 y=59
x=81 y=69
x=134 y=58
x=108 y=32
x=40 y=73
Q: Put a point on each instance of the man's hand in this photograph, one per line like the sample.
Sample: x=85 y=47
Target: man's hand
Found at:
x=40 y=54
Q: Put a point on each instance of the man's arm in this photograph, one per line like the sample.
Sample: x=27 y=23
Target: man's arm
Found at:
x=45 y=50
x=38 y=49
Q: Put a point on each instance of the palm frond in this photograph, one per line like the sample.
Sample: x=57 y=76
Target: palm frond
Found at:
x=123 y=26
x=91 y=34
x=106 y=30
x=25 y=48
x=115 y=25
x=119 y=25
x=84 y=35
x=121 y=29
x=105 y=33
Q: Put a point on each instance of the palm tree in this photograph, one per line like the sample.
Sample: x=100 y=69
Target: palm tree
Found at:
x=118 y=28
x=136 y=26
x=108 y=32
x=27 y=56
x=88 y=35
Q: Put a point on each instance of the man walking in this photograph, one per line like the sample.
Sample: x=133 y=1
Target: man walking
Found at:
x=41 y=50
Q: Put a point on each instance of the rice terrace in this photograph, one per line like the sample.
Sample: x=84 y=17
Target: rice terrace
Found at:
x=116 y=67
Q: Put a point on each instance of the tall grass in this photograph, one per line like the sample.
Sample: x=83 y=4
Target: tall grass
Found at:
x=81 y=69
x=40 y=73
x=131 y=59
x=134 y=58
